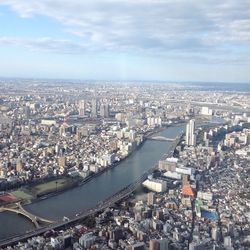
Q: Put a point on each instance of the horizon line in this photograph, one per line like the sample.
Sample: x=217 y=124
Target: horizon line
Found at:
x=118 y=80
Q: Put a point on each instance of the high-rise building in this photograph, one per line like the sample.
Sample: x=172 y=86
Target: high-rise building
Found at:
x=137 y=246
x=82 y=108
x=154 y=245
x=62 y=161
x=104 y=110
x=151 y=198
x=215 y=233
x=94 y=107
x=164 y=244
x=27 y=112
x=161 y=244
x=190 y=135
x=19 y=165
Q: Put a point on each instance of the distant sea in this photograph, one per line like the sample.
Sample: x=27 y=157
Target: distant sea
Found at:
x=210 y=86
x=202 y=86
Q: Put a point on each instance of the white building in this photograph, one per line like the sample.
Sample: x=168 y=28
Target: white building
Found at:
x=172 y=175
x=154 y=121
x=155 y=185
x=48 y=122
x=206 y=111
x=190 y=135
x=87 y=240
x=205 y=195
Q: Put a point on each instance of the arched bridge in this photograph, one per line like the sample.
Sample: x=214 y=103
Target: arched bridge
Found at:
x=161 y=138
x=18 y=209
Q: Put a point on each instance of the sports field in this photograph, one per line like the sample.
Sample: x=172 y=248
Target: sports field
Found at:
x=51 y=186
x=22 y=195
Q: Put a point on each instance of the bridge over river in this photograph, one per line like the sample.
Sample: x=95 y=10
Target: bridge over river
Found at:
x=101 y=206
x=18 y=209
x=161 y=138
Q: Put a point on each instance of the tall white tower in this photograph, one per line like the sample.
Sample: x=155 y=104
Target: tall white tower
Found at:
x=190 y=135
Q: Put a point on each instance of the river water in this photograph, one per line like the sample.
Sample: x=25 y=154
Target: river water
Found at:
x=77 y=199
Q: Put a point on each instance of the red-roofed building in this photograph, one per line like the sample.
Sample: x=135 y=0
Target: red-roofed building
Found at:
x=187 y=191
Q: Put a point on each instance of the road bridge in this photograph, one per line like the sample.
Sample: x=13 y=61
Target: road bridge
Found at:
x=18 y=209
x=161 y=138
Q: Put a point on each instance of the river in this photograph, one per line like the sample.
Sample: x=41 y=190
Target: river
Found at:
x=103 y=186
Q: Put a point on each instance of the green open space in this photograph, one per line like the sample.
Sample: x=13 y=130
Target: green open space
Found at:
x=51 y=186
x=21 y=195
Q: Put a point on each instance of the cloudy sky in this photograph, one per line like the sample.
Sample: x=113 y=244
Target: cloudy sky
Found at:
x=167 y=40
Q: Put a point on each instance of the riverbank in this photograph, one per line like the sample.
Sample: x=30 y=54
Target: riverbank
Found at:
x=27 y=196
x=99 y=205
x=82 y=198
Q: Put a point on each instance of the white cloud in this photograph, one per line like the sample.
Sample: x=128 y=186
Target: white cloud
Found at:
x=161 y=27
x=46 y=44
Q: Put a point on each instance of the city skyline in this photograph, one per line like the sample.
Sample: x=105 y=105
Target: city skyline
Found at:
x=122 y=40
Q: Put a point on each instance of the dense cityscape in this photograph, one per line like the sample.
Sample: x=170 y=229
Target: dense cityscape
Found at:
x=124 y=125
x=60 y=136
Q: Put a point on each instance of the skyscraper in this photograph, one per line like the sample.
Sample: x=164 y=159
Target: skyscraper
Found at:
x=94 y=107
x=190 y=135
x=82 y=108
x=104 y=110
x=151 y=198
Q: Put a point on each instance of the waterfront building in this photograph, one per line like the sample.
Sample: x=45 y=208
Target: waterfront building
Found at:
x=155 y=185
